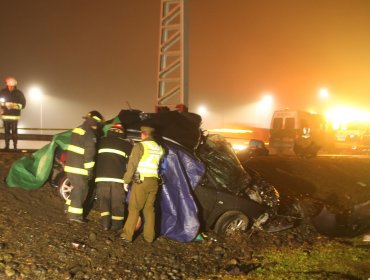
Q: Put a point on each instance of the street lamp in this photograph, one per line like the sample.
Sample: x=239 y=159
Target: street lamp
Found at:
x=36 y=94
x=266 y=101
x=324 y=96
x=264 y=110
x=323 y=93
x=202 y=110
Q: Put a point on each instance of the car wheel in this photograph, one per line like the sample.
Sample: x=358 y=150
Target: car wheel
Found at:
x=231 y=222
x=64 y=187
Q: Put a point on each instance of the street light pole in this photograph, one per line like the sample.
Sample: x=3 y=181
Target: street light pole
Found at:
x=36 y=93
x=324 y=96
x=41 y=113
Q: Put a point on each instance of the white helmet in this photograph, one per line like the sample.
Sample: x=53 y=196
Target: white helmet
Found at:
x=11 y=81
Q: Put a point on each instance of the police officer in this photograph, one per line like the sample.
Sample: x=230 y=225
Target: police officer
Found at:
x=144 y=160
x=80 y=163
x=12 y=102
x=114 y=150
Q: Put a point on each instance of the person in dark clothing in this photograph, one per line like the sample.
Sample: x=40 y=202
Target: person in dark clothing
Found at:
x=80 y=162
x=12 y=102
x=114 y=150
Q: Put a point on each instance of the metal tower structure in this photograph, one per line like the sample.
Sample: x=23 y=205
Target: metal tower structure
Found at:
x=172 y=89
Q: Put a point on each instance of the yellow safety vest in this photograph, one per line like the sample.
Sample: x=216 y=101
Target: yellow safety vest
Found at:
x=149 y=162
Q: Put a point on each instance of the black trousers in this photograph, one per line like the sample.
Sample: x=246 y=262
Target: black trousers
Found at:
x=111 y=199
x=10 y=131
x=76 y=202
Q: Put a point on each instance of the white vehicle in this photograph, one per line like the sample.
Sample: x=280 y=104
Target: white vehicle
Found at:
x=288 y=125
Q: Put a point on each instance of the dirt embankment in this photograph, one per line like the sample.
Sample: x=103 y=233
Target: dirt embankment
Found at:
x=37 y=241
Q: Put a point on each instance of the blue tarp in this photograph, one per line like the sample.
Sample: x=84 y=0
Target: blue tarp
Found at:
x=179 y=213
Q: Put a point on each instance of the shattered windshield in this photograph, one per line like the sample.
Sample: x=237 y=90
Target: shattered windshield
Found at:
x=222 y=164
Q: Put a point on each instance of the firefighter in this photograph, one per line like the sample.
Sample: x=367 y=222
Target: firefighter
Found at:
x=80 y=163
x=12 y=102
x=144 y=161
x=114 y=150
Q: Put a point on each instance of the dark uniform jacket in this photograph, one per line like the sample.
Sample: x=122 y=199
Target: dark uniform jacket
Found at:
x=112 y=158
x=16 y=97
x=81 y=151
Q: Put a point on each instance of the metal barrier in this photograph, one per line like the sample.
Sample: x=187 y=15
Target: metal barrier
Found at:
x=45 y=134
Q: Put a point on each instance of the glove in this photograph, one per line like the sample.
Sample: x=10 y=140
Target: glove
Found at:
x=125 y=187
x=9 y=105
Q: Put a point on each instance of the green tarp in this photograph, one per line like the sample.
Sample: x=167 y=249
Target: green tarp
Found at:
x=31 y=172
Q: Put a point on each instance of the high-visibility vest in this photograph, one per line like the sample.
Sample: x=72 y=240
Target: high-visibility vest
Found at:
x=149 y=162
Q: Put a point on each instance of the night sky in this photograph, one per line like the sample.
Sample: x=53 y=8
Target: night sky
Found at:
x=99 y=55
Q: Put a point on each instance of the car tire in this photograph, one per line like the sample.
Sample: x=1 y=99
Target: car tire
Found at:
x=64 y=187
x=231 y=222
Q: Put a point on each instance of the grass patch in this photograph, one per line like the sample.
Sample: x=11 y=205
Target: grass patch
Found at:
x=331 y=260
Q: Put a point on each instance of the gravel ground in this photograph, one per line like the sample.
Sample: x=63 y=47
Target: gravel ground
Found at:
x=37 y=241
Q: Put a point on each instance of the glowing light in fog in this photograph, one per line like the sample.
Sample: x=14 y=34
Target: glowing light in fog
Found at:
x=323 y=93
x=239 y=147
x=266 y=102
x=36 y=93
x=341 y=116
x=202 y=110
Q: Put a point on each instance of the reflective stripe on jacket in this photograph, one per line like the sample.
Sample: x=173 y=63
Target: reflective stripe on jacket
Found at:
x=10 y=117
x=81 y=151
x=112 y=157
x=107 y=179
x=149 y=162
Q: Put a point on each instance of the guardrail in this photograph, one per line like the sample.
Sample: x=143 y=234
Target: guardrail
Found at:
x=45 y=134
x=35 y=137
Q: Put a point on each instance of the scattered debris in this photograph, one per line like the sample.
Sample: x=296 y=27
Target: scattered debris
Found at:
x=78 y=245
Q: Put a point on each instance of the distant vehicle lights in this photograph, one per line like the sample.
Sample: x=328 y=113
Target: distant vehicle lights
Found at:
x=341 y=117
x=239 y=147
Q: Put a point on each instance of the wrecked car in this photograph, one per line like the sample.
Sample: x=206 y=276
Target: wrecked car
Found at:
x=228 y=197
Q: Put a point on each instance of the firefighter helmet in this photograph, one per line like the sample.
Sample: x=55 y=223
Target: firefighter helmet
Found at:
x=95 y=115
x=117 y=127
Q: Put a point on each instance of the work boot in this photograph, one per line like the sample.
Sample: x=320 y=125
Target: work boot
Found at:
x=78 y=220
x=124 y=239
